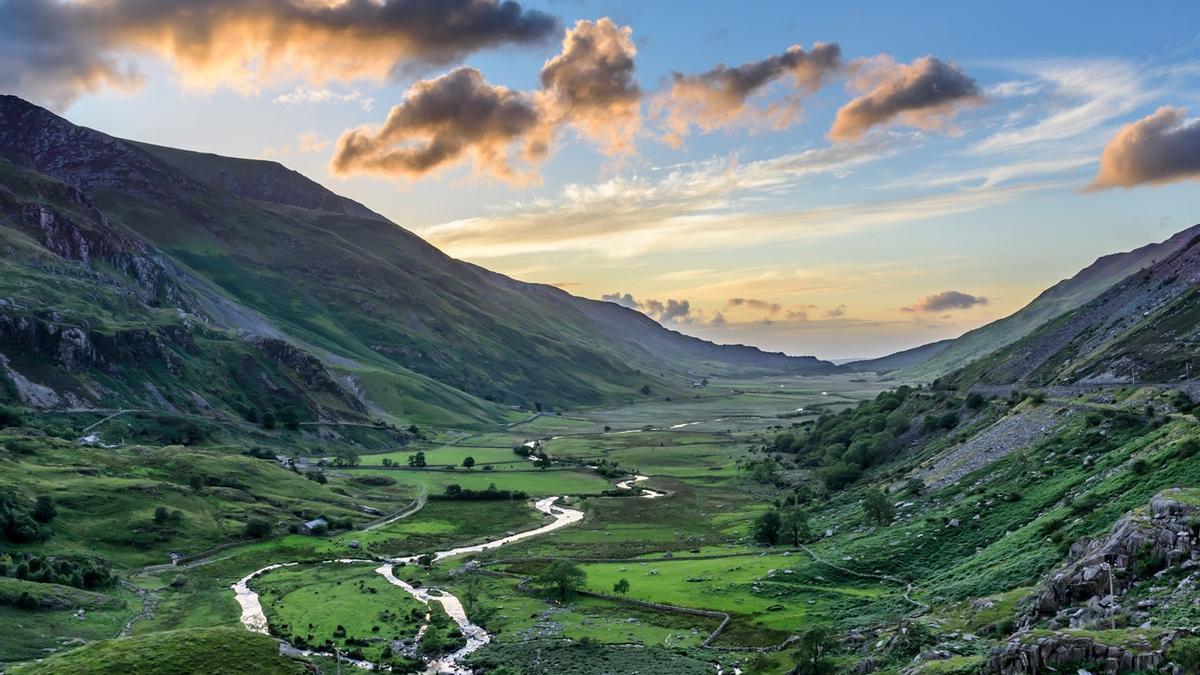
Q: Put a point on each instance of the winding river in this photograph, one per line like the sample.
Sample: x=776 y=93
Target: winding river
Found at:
x=647 y=493
x=255 y=619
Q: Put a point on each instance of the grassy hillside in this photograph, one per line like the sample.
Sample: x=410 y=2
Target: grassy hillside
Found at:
x=196 y=651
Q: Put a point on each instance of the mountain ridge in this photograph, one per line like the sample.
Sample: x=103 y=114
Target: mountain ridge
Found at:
x=257 y=247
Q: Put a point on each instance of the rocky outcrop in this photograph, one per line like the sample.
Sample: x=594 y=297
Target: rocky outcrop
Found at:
x=1097 y=573
x=308 y=369
x=1043 y=654
x=77 y=349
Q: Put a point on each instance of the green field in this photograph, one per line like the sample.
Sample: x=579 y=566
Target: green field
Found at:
x=307 y=604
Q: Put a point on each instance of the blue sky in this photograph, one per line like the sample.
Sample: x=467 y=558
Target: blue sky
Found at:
x=839 y=244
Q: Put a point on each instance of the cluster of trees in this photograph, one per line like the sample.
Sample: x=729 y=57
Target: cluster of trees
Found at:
x=22 y=524
x=842 y=446
x=781 y=526
x=80 y=571
x=288 y=417
x=542 y=460
x=456 y=491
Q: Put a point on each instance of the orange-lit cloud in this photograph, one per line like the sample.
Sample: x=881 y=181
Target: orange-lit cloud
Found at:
x=925 y=93
x=55 y=50
x=721 y=97
x=461 y=117
x=590 y=85
x=1161 y=148
x=445 y=121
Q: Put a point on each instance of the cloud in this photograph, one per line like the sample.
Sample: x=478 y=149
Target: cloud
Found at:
x=311 y=95
x=708 y=206
x=306 y=143
x=753 y=303
x=443 y=122
x=54 y=51
x=1161 y=148
x=945 y=301
x=668 y=312
x=622 y=299
x=720 y=97
x=447 y=120
x=923 y=94
x=1073 y=98
x=590 y=84
x=836 y=312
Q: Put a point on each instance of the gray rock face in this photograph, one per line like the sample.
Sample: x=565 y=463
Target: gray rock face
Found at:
x=1043 y=654
x=307 y=367
x=1104 y=567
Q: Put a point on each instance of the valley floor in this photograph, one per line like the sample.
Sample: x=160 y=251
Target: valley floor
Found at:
x=674 y=583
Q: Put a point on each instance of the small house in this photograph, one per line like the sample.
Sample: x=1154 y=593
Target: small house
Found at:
x=318 y=526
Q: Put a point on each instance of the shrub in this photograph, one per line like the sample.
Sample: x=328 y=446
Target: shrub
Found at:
x=258 y=528
x=45 y=510
x=1185 y=653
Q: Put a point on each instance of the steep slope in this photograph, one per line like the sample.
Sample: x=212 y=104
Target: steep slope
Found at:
x=1141 y=329
x=1054 y=301
x=263 y=250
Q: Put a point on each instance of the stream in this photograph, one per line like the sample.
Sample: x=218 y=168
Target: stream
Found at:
x=255 y=619
x=647 y=493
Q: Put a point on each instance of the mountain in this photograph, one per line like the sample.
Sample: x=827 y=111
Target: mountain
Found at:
x=898 y=360
x=189 y=260
x=1143 y=328
x=1054 y=301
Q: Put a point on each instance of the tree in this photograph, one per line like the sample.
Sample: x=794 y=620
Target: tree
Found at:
x=621 y=587
x=766 y=528
x=387 y=461
x=469 y=462
x=812 y=647
x=258 y=528
x=44 y=510
x=645 y=390
x=542 y=462
x=877 y=508
x=161 y=515
x=268 y=420
x=196 y=482
x=793 y=526
x=417 y=461
x=345 y=457
x=564 y=577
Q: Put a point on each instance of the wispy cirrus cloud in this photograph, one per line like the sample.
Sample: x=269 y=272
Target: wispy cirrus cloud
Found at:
x=1073 y=98
x=704 y=207
x=314 y=95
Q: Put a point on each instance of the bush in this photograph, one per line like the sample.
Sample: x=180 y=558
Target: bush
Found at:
x=11 y=417
x=258 y=528
x=1185 y=653
x=17 y=524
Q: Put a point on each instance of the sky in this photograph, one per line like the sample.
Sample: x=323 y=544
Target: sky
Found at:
x=836 y=179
